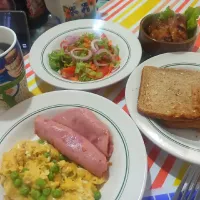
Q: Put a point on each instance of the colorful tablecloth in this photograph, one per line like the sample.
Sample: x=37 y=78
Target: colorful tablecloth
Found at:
x=164 y=170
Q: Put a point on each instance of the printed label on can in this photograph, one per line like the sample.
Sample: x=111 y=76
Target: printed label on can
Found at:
x=13 y=84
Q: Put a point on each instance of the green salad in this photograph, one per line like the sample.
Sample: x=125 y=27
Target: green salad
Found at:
x=86 y=57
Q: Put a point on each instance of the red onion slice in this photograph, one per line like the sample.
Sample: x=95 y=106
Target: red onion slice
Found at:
x=63 y=44
x=71 y=39
x=100 y=51
x=99 y=64
x=94 y=46
x=80 y=57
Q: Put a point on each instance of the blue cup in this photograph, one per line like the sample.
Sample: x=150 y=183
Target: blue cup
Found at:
x=13 y=84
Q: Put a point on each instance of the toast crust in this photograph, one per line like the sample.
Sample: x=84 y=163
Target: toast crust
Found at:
x=181 y=124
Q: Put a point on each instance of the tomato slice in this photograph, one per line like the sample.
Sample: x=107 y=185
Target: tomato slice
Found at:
x=118 y=58
x=105 y=70
x=93 y=67
x=111 y=68
x=68 y=72
x=69 y=69
x=74 y=78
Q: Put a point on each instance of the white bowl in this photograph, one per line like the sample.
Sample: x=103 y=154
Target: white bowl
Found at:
x=129 y=46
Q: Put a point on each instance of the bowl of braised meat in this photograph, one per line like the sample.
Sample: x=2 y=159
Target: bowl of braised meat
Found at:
x=169 y=31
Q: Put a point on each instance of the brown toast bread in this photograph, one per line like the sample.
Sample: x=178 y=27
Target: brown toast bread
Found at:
x=169 y=94
x=181 y=124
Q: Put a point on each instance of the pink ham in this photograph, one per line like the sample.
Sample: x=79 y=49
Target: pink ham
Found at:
x=84 y=122
x=72 y=145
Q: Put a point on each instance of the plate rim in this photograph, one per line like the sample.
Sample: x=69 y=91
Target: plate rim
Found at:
x=177 y=150
x=37 y=66
x=8 y=127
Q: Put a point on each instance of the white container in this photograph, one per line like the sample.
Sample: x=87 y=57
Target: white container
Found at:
x=67 y=10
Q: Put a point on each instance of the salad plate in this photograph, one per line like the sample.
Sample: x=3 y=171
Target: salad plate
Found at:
x=128 y=172
x=85 y=54
x=182 y=143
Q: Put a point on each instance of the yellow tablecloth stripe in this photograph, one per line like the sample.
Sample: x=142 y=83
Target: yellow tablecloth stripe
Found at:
x=194 y=3
x=181 y=174
x=42 y=88
x=139 y=13
x=127 y=10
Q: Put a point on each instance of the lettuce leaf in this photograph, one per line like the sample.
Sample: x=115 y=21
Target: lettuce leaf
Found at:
x=91 y=36
x=80 y=67
x=188 y=12
x=84 y=77
x=166 y=14
x=84 y=71
x=103 y=43
x=66 y=59
x=55 y=59
x=58 y=59
x=192 y=14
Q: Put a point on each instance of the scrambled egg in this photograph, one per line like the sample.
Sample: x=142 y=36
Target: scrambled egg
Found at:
x=40 y=166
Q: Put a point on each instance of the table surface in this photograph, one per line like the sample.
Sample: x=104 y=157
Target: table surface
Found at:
x=164 y=171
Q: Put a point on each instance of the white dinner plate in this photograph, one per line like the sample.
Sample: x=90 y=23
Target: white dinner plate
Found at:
x=182 y=143
x=129 y=46
x=128 y=172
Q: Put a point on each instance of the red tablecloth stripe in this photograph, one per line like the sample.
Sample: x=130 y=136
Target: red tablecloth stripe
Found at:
x=164 y=171
x=113 y=6
x=152 y=156
x=185 y=2
x=118 y=10
x=27 y=66
x=29 y=73
x=120 y=96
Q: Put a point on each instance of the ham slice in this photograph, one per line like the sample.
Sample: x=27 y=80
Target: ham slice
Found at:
x=72 y=145
x=84 y=122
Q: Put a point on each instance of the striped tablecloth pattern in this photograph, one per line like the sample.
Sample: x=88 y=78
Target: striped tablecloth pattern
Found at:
x=165 y=171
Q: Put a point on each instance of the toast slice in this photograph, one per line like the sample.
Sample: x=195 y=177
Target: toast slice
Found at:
x=169 y=94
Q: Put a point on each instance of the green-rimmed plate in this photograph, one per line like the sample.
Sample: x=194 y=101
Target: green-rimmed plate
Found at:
x=182 y=143
x=130 y=52
x=128 y=172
